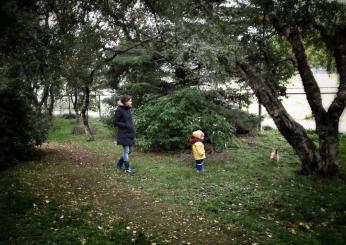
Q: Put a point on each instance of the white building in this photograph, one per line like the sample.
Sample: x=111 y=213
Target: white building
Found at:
x=297 y=105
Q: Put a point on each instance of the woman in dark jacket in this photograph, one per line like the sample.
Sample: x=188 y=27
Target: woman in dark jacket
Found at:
x=126 y=133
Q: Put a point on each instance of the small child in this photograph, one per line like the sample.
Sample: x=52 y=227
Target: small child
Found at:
x=198 y=150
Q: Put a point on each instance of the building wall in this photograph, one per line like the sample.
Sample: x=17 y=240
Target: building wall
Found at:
x=297 y=105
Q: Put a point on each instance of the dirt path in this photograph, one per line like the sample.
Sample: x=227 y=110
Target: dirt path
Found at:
x=76 y=175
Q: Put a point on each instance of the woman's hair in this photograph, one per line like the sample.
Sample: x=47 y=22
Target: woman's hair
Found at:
x=125 y=98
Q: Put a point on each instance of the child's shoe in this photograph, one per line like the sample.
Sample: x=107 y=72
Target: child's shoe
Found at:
x=200 y=168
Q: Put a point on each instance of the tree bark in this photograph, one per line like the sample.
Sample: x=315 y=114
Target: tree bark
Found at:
x=85 y=107
x=327 y=122
x=329 y=148
x=328 y=135
x=39 y=103
x=75 y=105
x=69 y=105
x=338 y=105
x=293 y=132
x=51 y=103
x=310 y=85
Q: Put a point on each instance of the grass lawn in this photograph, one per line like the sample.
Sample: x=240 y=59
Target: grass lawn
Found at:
x=244 y=197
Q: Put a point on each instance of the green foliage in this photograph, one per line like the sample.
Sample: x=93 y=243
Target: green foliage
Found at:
x=68 y=116
x=108 y=120
x=242 y=121
x=39 y=128
x=166 y=123
x=267 y=128
x=141 y=72
x=21 y=128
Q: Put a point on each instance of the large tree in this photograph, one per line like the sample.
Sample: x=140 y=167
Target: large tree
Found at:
x=273 y=37
x=264 y=44
x=82 y=69
x=180 y=52
x=26 y=62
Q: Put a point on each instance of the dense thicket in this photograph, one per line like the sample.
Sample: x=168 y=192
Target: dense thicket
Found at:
x=166 y=122
x=20 y=127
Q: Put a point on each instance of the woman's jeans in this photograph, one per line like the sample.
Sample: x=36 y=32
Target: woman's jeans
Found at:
x=124 y=159
x=127 y=149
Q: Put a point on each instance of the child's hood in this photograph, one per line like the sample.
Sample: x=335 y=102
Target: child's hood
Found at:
x=198 y=134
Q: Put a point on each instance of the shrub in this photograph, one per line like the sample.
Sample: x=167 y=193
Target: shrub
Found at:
x=20 y=127
x=267 y=128
x=166 y=123
x=39 y=128
x=69 y=116
x=243 y=122
x=108 y=120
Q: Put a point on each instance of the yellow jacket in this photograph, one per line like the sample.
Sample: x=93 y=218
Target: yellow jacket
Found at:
x=198 y=147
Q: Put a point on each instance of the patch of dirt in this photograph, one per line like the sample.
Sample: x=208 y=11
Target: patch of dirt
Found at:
x=77 y=175
x=246 y=138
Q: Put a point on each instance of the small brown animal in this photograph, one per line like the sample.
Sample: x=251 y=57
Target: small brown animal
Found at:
x=274 y=155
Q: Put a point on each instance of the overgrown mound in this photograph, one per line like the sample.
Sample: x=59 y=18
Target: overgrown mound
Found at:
x=20 y=127
x=166 y=122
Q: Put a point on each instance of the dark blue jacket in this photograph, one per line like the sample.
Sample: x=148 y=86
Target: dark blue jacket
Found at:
x=123 y=120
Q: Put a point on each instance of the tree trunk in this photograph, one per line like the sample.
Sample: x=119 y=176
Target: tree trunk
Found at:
x=328 y=131
x=45 y=106
x=75 y=105
x=327 y=122
x=293 y=132
x=51 y=103
x=69 y=105
x=85 y=107
x=328 y=134
x=99 y=107
x=39 y=103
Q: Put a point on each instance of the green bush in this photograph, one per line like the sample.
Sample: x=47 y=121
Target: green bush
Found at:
x=243 y=122
x=267 y=128
x=108 y=120
x=166 y=123
x=68 y=116
x=20 y=127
